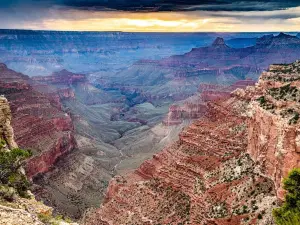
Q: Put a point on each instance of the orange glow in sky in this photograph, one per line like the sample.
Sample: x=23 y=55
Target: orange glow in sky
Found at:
x=167 y=21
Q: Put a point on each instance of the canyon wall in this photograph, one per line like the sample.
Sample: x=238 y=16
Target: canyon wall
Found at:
x=195 y=106
x=38 y=121
x=274 y=131
x=226 y=168
x=205 y=178
x=21 y=211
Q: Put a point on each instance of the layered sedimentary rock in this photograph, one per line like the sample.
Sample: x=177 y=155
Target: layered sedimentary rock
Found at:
x=226 y=168
x=178 y=77
x=205 y=178
x=195 y=106
x=21 y=211
x=62 y=77
x=38 y=121
x=274 y=131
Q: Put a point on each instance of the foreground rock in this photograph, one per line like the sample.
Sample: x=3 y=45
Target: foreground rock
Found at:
x=226 y=168
x=19 y=211
x=38 y=121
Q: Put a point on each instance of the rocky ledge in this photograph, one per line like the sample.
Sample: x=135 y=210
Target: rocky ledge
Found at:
x=226 y=167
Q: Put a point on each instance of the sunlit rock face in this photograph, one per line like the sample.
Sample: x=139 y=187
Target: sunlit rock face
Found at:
x=273 y=125
x=226 y=168
x=38 y=121
x=6 y=131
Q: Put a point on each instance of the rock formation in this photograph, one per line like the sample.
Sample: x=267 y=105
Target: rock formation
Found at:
x=6 y=131
x=177 y=77
x=219 y=43
x=38 y=121
x=226 y=167
x=195 y=106
x=274 y=134
x=21 y=211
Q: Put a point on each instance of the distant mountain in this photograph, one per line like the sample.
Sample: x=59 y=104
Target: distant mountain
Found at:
x=280 y=40
x=219 y=43
x=177 y=77
x=241 y=42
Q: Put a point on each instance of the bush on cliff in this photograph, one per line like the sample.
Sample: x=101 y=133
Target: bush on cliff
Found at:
x=289 y=212
x=11 y=175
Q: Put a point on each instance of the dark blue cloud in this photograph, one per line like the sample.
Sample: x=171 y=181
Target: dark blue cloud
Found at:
x=182 y=5
x=161 y=5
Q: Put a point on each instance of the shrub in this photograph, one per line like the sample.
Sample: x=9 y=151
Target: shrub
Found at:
x=11 y=175
x=295 y=118
x=261 y=100
x=289 y=212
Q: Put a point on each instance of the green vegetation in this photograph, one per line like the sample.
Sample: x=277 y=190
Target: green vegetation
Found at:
x=295 y=119
x=289 y=212
x=11 y=177
x=265 y=104
x=47 y=218
x=286 y=92
x=292 y=114
x=261 y=100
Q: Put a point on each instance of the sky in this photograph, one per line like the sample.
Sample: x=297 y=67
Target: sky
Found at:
x=151 y=15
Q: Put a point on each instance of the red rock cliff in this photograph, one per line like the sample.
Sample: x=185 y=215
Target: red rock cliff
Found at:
x=226 y=168
x=274 y=130
x=38 y=121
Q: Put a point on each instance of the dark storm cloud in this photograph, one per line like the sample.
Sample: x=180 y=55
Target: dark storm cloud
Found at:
x=161 y=5
x=181 y=5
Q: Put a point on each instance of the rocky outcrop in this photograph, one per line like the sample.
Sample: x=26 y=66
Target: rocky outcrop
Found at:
x=28 y=212
x=226 y=168
x=62 y=77
x=274 y=136
x=195 y=106
x=38 y=121
x=6 y=131
x=219 y=43
x=21 y=211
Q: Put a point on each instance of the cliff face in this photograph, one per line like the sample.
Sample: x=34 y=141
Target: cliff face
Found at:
x=226 y=168
x=274 y=132
x=38 y=121
x=195 y=106
x=6 y=131
x=21 y=211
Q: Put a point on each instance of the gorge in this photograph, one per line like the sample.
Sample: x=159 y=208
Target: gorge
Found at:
x=90 y=131
x=226 y=167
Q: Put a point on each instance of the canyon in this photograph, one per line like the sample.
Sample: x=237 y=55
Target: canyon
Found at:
x=226 y=168
x=89 y=125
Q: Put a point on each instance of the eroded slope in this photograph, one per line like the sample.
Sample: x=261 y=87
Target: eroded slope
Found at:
x=226 y=168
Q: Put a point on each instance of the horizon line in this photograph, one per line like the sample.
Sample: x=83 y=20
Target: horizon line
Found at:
x=116 y=31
